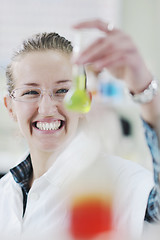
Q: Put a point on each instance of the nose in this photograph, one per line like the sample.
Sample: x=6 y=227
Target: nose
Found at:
x=47 y=106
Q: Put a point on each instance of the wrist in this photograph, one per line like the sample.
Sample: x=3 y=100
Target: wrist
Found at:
x=147 y=94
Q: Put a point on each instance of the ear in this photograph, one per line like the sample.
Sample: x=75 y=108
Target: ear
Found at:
x=8 y=104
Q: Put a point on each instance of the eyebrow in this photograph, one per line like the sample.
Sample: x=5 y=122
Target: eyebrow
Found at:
x=57 y=82
x=63 y=81
x=31 y=84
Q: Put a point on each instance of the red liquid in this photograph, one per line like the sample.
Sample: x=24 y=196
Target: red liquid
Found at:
x=91 y=217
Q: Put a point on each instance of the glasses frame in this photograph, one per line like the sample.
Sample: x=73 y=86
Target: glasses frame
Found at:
x=42 y=92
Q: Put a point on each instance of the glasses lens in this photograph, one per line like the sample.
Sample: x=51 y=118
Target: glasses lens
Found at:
x=27 y=94
x=31 y=94
x=59 y=93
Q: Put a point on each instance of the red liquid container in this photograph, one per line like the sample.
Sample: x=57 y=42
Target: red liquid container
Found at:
x=91 y=216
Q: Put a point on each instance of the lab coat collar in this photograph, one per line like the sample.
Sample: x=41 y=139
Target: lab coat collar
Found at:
x=81 y=152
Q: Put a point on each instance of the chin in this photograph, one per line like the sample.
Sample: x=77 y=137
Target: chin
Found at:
x=52 y=147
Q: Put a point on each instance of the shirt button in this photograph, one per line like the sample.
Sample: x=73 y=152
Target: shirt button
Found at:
x=34 y=196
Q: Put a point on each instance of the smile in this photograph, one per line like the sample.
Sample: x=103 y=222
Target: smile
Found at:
x=45 y=126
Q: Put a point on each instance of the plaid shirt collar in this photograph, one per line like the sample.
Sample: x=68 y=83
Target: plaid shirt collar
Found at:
x=22 y=173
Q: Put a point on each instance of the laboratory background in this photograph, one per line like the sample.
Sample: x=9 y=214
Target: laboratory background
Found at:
x=138 y=18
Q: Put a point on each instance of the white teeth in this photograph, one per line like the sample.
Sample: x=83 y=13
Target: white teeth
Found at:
x=48 y=126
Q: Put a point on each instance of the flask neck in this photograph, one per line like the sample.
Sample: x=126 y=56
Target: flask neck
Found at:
x=79 y=77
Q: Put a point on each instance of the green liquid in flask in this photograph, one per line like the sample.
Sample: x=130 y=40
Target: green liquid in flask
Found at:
x=78 y=99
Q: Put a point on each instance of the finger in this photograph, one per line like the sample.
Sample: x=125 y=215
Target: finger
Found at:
x=116 y=58
x=118 y=70
x=123 y=68
x=104 y=48
x=98 y=24
x=95 y=51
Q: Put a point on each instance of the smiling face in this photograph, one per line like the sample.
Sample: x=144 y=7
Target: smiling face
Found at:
x=46 y=124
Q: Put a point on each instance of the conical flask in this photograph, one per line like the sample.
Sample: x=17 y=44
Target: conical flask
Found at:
x=78 y=98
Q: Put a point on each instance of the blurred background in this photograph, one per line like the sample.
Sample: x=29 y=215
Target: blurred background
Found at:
x=20 y=19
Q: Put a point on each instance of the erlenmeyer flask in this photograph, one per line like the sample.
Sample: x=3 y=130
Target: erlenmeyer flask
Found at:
x=78 y=98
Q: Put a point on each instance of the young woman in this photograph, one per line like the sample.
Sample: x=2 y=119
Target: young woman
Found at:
x=31 y=201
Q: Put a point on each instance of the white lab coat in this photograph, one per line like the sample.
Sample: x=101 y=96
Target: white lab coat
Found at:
x=47 y=213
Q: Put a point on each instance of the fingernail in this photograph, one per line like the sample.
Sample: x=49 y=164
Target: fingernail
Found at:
x=77 y=61
x=82 y=60
x=98 y=67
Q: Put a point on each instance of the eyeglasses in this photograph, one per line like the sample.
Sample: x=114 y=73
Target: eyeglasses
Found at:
x=34 y=94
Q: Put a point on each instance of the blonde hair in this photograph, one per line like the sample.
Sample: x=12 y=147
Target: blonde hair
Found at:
x=38 y=42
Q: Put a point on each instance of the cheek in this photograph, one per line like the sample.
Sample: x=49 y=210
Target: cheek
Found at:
x=72 y=117
x=23 y=113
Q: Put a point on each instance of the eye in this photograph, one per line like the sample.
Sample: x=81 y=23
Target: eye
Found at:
x=62 y=91
x=31 y=92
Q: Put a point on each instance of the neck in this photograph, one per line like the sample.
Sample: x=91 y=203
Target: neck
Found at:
x=41 y=162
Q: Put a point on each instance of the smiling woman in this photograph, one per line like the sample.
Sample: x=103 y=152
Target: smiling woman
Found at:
x=63 y=146
x=41 y=73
